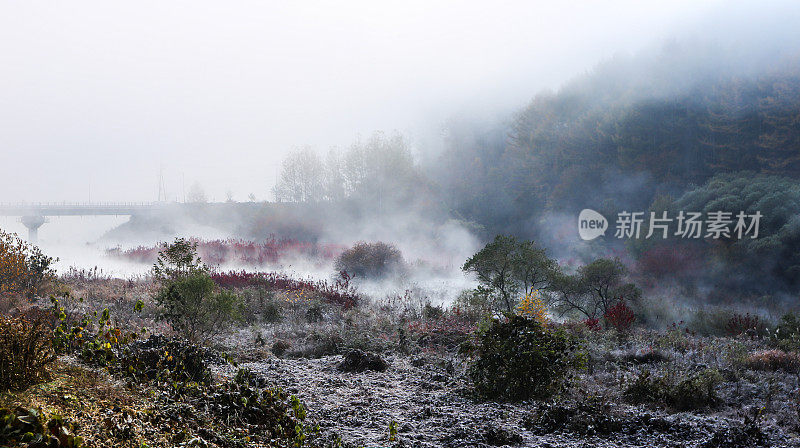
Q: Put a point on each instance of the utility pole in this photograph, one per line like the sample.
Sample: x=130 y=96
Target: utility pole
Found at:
x=162 y=189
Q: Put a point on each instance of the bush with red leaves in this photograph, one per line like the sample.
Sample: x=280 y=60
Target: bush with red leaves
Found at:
x=739 y=324
x=619 y=317
x=339 y=292
x=592 y=323
x=216 y=252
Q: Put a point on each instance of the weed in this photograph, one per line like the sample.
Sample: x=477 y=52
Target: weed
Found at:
x=26 y=351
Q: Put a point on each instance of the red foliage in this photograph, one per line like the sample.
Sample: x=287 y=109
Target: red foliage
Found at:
x=739 y=324
x=339 y=292
x=592 y=323
x=216 y=252
x=620 y=317
x=679 y=262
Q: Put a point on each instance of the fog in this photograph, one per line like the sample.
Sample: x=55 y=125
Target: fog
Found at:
x=156 y=101
x=97 y=98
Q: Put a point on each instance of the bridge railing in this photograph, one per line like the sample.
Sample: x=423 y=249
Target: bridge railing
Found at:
x=77 y=204
x=76 y=208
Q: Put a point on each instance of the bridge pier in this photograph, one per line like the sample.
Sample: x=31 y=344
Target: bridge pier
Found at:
x=34 y=215
x=33 y=222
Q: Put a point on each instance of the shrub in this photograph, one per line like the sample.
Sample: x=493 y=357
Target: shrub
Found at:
x=370 y=260
x=338 y=292
x=269 y=251
x=683 y=393
x=432 y=312
x=592 y=323
x=279 y=347
x=260 y=305
x=787 y=334
x=472 y=305
x=24 y=427
x=773 y=360
x=159 y=358
x=519 y=359
x=273 y=417
x=92 y=336
x=195 y=309
x=696 y=391
x=789 y=325
x=591 y=416
x=358 y=361
x=189 y=298
x=314 y=313
x=450 y=329
x=743 y=324
x=26 y=350
x=711 y=321
x=533 y=307
x=24 y=269
x=619 y=317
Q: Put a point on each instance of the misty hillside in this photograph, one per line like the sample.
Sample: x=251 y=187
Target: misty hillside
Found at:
x=628 y=132
x=678 y=129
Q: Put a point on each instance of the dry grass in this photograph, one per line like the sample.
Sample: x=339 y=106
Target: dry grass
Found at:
x=772 y=360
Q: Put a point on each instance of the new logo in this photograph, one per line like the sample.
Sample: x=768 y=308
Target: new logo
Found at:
x=591 y=224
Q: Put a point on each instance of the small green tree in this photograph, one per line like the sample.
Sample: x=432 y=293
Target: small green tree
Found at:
x=178 y=260
x=188 y=297
x=507 y=268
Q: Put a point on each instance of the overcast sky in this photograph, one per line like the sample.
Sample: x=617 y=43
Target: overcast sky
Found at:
x=97 y=97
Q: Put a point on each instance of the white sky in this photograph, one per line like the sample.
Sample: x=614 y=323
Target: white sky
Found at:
x=97 y=96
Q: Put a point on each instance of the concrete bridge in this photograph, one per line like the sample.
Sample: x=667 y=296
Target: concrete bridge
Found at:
x=34 y=215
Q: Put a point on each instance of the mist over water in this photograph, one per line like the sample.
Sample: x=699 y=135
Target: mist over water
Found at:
x=433 y=255
x=219 y=109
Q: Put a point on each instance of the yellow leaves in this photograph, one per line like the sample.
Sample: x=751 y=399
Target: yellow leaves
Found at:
x=533 y=307
x=298 y=296
x=23 y=268
x=13 y=263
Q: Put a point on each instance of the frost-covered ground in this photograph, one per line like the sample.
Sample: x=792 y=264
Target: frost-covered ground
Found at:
x=428 y=398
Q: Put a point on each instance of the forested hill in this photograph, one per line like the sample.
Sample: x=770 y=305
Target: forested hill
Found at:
x=630 y=131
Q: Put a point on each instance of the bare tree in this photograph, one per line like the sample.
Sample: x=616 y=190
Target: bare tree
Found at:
x=301 y=177
x=196 y=194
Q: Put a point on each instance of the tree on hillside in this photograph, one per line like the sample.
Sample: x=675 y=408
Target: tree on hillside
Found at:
x=301 y=177
x=379 y=171
x=334 y=176
x=196 y=194
x=751 y=265
x=731 y=127
x=780 y=139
